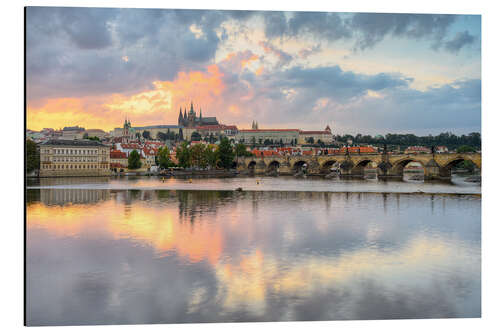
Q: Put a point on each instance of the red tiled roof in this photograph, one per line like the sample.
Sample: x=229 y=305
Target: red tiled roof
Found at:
x=358 y=150
x=117 y=154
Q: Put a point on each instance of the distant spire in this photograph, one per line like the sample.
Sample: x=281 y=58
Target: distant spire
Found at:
x=253 y=124
x=185 y=114
x=200 y=113
x=192 y=109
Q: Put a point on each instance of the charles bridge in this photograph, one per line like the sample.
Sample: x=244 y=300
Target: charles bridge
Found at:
x=436 y=166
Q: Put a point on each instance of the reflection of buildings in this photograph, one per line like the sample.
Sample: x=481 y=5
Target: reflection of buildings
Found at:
x=74 y=196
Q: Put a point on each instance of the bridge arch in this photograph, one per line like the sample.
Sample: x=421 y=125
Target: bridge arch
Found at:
x=299 y=165
x=359 y=168
x=400 y=165
x=251 y=165
x=273 y=166
x=326 y=166
x=454 y=162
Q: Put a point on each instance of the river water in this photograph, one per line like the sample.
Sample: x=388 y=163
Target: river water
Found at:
x=143 y=250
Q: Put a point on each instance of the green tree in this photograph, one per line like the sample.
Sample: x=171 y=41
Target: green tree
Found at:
x=32 y=156
x=253 y=141
x=465 y=149
x=163 y=157
x=134 y=160
x=162 y=136
x=198 y=155
x=240 y=149
x=211 y=155
x=146 y=135
x=195 y=136
x=226 y=154
x=183 y=154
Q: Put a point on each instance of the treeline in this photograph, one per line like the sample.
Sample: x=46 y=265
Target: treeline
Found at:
x=448 y=139
x=203 y=156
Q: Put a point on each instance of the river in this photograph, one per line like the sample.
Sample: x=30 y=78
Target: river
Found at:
x=142 y=250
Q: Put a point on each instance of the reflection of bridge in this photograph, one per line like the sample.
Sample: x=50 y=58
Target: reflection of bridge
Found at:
x=436 y=166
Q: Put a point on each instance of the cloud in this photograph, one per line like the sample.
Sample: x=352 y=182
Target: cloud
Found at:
x=365 y=30
x=460 y=40
x=73 y=52
x=283 y=57
x=372 y=28
x=318 y=24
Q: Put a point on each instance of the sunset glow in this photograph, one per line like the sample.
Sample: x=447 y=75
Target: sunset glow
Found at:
x=236 y=67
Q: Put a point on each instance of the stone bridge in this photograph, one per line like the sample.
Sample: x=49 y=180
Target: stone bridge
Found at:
x=436 y=166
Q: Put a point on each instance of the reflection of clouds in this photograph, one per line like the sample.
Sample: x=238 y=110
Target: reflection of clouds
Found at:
x=251 y=281
x=157 y=228
x=164 y=256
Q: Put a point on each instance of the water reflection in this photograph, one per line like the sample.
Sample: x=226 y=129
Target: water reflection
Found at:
x=210 y=256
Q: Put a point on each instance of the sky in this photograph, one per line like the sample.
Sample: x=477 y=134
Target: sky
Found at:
x=356 y=72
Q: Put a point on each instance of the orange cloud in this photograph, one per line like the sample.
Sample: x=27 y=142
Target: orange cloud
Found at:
x=158 y=105
x=246 y=62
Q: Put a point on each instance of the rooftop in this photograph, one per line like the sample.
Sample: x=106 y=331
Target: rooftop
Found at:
x=270 y=130
x=73 y=143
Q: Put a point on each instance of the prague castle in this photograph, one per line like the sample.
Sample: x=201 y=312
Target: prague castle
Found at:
x=192 y=120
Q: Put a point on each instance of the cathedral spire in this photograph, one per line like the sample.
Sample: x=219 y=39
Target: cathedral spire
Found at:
x=200 y=114
x=179 y=120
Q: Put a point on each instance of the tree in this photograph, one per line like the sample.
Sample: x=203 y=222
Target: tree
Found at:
x=85 y=135
x=267 y=142
x=146 y=135
x=183 y=155
x=134 y=160
x=211 y=155
x=226 y=154
x=310 y=140
x=163 y=156
x=465 y=149
x=162 y=136
x=198 y=155
x=32 y=156
x=195 y=136
x=241 y=150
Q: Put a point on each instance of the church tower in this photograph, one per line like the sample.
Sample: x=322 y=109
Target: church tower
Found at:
x=179 y=120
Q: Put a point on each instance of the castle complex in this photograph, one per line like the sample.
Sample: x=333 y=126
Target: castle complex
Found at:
x=192 y=120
